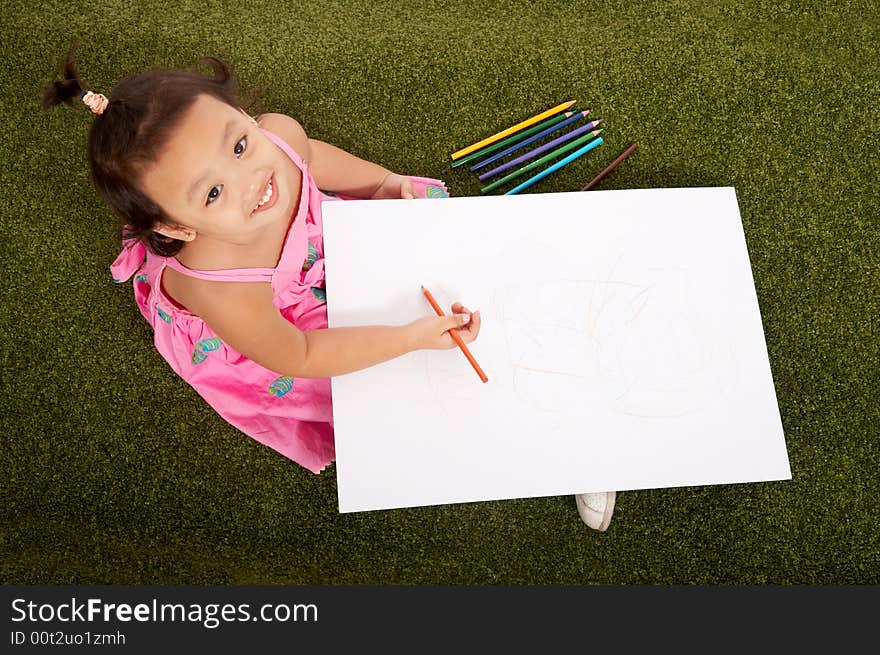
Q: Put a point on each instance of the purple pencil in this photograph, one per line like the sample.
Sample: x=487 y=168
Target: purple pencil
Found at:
x=537 y=151
x=522 y=144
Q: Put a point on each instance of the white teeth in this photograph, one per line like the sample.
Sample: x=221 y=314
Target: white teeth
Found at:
x=266 y=197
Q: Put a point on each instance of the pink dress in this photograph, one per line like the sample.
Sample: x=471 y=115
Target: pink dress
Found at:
x=292 y=415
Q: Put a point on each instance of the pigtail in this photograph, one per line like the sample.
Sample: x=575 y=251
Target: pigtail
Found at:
x=224 y=75
x=68 y=89
x=225 y=78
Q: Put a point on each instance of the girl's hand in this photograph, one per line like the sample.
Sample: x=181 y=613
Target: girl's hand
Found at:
x=433 y=331
x=394 y=186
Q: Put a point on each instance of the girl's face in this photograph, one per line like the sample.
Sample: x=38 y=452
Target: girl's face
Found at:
x=212 y=174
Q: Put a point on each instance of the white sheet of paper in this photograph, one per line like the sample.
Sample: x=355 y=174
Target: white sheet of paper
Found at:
x=621 y=336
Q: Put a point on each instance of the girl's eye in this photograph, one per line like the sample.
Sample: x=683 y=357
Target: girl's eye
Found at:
x=211 y=195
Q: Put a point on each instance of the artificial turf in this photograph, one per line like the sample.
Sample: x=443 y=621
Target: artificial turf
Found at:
x=115 y=470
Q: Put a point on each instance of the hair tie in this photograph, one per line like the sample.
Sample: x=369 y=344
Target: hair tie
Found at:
x=97 y=102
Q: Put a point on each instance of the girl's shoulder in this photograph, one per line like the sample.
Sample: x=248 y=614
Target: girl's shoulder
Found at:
x=289 y=130
x=184 y=290
x=203 y=297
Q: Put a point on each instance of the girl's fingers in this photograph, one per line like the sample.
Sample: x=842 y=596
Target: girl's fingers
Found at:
x=406 y=189
x=474 y=326
x=471 y=329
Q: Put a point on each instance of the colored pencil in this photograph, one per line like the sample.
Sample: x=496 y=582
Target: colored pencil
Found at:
x=544 y=148
x=455 y=337
x=555 y=167
x=529 y=167
x=574 y=119
x=511 y=130
x=512 y=139
x=626 y=153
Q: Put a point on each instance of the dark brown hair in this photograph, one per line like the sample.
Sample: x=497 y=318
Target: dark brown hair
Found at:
x=143 y=111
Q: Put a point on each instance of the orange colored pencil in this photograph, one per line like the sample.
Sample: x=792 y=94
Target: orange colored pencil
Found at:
x=455 y=337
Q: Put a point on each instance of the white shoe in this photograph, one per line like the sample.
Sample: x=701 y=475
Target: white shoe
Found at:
x=596 y=509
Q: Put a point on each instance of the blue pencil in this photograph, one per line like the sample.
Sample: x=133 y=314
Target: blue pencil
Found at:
x=516 y=146
x=555 y=167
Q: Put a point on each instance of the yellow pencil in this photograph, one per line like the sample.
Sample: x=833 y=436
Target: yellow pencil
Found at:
x=515 y=128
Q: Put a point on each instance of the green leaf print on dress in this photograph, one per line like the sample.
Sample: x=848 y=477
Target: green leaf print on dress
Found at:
x=203 y=347
x=311 y=258
x=432 y=191
x=212 y=343
x=281 y=386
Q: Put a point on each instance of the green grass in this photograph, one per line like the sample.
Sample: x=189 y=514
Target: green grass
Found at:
x=114 y=469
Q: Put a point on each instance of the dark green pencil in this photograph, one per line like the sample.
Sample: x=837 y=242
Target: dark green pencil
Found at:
x=589 y=136
x=513 y=139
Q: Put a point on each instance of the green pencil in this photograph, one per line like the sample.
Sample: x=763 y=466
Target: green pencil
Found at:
x=528 y=167
x=512 y=139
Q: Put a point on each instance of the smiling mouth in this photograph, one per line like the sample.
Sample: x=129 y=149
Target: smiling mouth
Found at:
x=272 y=192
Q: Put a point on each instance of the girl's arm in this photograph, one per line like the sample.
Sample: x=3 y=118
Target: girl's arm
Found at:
x=243 y=316
x=336 y=170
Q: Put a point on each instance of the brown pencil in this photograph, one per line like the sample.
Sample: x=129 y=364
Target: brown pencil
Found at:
x=455 y=337
x=626 y=153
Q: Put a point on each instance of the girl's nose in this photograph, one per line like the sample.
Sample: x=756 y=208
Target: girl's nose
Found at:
x=255 y=185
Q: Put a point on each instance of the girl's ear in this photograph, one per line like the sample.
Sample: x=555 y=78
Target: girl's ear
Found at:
x=175 y=231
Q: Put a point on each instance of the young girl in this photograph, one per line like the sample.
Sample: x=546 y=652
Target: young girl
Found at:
x=223 y=234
